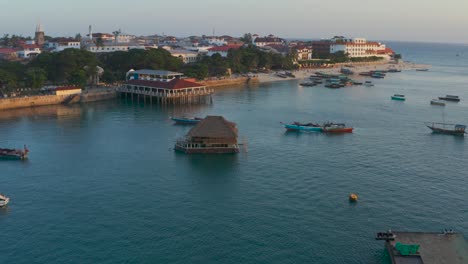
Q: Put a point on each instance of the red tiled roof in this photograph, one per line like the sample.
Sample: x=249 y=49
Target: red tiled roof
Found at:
x=7 y=50
x=174 y=84
x=386 y=51
x=224 y=48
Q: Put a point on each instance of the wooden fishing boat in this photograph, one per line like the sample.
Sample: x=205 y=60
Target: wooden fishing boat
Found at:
x=365 y=73
x=14 y=153
x=296 y=126
x=453 y=98
x=448 y=129
x=393 y=70
x=186 y=120
x=425 y=69
x=437 y=102
x=336 y=128
x=398 y=97
x=308 y=84
x=368 y=84
x=4 y=200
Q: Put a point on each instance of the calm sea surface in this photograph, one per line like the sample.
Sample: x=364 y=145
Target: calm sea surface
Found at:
x=103 y=184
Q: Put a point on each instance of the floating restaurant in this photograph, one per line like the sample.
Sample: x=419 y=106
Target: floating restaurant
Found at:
x=164 y=87
x=213 y=134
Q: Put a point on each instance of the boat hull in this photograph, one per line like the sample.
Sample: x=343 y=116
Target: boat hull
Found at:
x=183 y=121
x=339 y=130
x=303 y=128
x=397 y=98
x=449 y=99
x=437 y=103
x=4 y=202
x=436 y=130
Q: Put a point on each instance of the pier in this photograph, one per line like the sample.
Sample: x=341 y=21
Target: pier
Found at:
x=425 y=247
x=163 y=87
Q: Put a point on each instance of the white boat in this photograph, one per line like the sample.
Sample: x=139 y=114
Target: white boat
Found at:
x=368 y=83
x=437 y=102
x=4 y=200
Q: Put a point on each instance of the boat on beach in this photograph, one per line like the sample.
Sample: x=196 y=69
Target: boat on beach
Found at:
x=437 y=102
x=398 y=97
x=186 y=120
x=453 y=98
x=336 y=128
x=448 y=129
x=365 y=73
x=296 y=126
x=4 y=200
x=20 y=154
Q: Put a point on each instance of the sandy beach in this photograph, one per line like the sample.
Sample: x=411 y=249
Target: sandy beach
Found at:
x=357 y=68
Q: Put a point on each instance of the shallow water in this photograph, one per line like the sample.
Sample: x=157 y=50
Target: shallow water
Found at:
x=103 y=184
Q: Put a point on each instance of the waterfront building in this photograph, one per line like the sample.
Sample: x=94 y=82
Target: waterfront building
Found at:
x=39 y=36
x=277 y=48
x=164 y=87
x=303 y=52
x=222 y=50
x=103 y=36
x=186 y=56
x=212 y=135
x=359 y=47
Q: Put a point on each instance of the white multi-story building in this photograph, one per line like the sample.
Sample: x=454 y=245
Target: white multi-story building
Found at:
x=28 y=51
x=60 y=45
x=359 y=47
x=269 y=40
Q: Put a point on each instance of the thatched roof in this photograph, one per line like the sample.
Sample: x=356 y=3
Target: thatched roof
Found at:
x=214 y=127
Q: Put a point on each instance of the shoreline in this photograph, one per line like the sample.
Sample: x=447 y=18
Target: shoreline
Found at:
x=305 y=73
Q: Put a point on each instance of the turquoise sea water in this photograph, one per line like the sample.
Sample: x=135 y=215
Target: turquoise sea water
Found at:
x=103 y=184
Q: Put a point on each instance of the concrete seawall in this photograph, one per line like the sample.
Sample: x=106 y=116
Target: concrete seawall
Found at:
x=41 y=100
x=229 y=82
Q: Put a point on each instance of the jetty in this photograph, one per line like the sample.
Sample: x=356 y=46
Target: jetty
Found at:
x=445 y=247
x=163 y=87
x=212 y=135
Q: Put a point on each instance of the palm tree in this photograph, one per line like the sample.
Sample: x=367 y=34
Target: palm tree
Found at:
x=116 y=34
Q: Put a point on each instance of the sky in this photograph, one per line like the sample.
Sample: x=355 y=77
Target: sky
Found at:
x=402 y=20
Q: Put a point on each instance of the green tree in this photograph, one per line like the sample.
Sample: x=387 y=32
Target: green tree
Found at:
x=35 y=77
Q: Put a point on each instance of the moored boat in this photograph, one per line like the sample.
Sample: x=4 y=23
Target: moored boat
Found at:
x=186 y=120
x=4 y=200
x=14 y=153
x=296 y=126
x=437 y=102
x=336 y=128
x=308 y=84
x=453 y=98
x=365 y=73
x=353 y=197
x=398 y=97
x=368 y=84
x=424 y=69
x=448 y=129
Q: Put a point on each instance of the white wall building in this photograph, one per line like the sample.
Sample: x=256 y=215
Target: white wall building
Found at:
x=57 y=46
x=28 y=51
x=359 y=47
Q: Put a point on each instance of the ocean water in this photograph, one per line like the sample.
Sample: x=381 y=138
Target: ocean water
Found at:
x=103 y=184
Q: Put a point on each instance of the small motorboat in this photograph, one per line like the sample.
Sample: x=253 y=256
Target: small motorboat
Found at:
x=398 y=97
x=424 y=69
x=357 y=83
x=4 y=200
x=437 y=102
x=336 y=128
x=186 y=120
x=353 y=197
x=368 y=83
x=453 y=98
x=393 y=70
x=14 y=153
x=448 y=129
x=296 y=126
x=308 y=84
